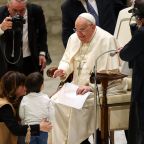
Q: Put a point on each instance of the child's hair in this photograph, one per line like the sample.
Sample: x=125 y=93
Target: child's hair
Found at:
x=34 y=82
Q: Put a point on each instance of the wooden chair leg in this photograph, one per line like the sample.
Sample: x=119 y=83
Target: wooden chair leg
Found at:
x=111 y=137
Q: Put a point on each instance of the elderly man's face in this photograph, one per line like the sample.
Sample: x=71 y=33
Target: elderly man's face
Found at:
x=84 y=30
x=16 y=7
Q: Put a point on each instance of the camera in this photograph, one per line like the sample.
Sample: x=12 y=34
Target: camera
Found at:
x=18 y=22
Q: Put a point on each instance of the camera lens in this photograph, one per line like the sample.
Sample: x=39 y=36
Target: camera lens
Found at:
x=18 y=22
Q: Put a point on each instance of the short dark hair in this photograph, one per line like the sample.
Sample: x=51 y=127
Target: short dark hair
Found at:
x=34 y=82
x=138 y=9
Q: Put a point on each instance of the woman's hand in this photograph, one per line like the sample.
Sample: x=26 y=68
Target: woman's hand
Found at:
x=45 y=126
x=83 y=89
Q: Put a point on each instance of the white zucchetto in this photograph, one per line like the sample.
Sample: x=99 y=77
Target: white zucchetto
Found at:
x=89 y=17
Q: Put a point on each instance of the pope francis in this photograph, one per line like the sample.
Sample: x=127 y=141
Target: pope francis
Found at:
x=73 y=126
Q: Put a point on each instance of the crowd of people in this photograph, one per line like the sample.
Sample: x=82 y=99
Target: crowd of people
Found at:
x=87 y=33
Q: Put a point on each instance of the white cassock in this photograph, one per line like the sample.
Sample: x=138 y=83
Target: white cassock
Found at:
x=72 y=126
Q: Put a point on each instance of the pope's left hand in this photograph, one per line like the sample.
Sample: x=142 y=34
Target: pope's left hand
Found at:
x=42 y=62
x=83 y=89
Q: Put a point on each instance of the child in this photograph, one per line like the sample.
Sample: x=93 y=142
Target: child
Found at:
x=12 y=88
x=35 y=106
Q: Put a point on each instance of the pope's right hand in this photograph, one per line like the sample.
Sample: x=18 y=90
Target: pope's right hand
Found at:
x=59 y=73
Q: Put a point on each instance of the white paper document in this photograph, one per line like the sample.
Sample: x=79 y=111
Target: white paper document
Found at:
x=67 y=96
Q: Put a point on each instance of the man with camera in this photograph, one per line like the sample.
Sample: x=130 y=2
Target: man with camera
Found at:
x=23 y=37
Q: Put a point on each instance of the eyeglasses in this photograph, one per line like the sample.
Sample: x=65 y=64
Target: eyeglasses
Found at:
x=82 y=30
x=15 y=11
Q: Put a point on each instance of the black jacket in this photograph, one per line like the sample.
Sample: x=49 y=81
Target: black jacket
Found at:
x=133 y=52
x=7 y=117
x=37 y=34
x=107 y=9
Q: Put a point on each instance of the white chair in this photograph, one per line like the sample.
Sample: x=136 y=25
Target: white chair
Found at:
x=113 y=112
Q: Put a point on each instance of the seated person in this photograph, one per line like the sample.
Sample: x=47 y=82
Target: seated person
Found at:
x=89 y=41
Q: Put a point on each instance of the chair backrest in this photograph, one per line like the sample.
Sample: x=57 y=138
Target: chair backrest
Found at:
x=122 y=31
x=123 y=34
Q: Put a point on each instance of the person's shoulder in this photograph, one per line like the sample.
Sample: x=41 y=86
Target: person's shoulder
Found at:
x=73 y=42
x=139 y=33
x=141 y=29
x=44 y=95
x=3 y=9
x=5 y=104
x=3 y=12
x=34 y=6
x=126 y=9
x=6 y=109
x=25 y=97
x=4 y=101
x=44 y=98
x=125 y=12
x=67 y=3
x=104 y=33
x=74 y=37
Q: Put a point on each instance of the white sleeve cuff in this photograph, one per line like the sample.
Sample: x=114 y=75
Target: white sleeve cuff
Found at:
x=42 y=53
x=1 y=31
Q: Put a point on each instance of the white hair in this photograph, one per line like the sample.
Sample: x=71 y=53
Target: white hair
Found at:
x=9 y=1
x=88 y=17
